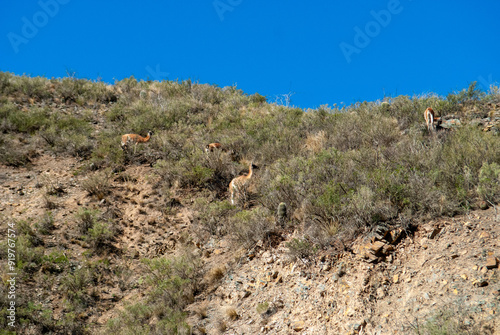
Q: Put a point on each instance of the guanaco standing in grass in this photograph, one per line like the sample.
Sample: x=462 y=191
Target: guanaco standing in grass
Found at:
x=429 y=119
x=128 y=138
x=212 y=146
x=239 y=183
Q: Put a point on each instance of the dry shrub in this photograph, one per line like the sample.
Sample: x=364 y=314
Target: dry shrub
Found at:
x=231 y=313
x=216 y=274
x=317 y=142
x=98 y=184
x=202 y=310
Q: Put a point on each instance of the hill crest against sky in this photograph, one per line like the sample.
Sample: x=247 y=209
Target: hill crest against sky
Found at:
x=321 y=52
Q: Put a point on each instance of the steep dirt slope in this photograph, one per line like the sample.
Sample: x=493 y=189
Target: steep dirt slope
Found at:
x=446 y=266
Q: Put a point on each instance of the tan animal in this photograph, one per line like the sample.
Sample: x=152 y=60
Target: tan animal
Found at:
x=134 y=138
x=212 y=146
x=429 y=119
x=238 y=184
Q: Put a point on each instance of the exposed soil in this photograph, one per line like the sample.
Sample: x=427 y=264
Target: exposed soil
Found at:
x=445 y=265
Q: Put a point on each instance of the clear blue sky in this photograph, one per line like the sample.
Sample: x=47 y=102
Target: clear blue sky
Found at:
x=325 y=52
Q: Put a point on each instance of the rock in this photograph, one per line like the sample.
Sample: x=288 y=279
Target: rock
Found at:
x=396 y=235
x=481 y=283
x=451 y=123
x=377 y=246
x=434 y=232
x=491 y=262
x=387 y=248
x=483 y=205
x=380 y=293
x=298 y=325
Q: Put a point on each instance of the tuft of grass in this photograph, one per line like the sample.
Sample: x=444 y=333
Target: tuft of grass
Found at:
x=46 y=224
x=94 y=230
x=231 y=313
x=86 y=219
x=301 y=249
x=262 y=307
x=98 y=184
x=216 y=274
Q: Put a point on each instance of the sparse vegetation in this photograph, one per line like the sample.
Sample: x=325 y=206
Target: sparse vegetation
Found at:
x=340 y=171
x=172 y=284
x=451 y=322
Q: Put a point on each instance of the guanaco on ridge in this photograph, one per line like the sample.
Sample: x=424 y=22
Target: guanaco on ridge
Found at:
x=135 y=138
x=430 y=118
x=239 y=183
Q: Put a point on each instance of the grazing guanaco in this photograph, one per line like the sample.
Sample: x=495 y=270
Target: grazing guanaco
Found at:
x=429 y=119
x=212 y=146
x=238 y=184
x=127 y=138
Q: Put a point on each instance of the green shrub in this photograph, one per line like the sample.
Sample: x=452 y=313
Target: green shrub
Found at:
x=489 y=182
x=14 y=154
x=212 y=216
x=86 y=219
x=301 y=248
x=470 y=95
x=33 y=87
x=451 y=322
x=75 y=287
x=46 y=224
x=172 y=285
x=27 y=122
x=99 y=236
x=250 y=226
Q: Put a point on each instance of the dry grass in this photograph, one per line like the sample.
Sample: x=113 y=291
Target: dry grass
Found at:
x=317 y=142
x=215 y=274
x=231 y=313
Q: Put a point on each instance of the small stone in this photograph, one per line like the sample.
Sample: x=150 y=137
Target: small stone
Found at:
x=298 y=326
x=349 y=312
x=434 y=232
x=380 y=293
x=481 y=283
x=326 y=267
x=387 y=248
x=484 y=234
x=395 y=279
x=464 y=277
x=377 y=246
x=491 y=262
x=483 y=205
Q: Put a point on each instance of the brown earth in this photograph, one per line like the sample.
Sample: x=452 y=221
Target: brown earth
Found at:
x=374 y=286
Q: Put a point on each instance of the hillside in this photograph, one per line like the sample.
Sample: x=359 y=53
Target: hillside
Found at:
x=386 y=227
